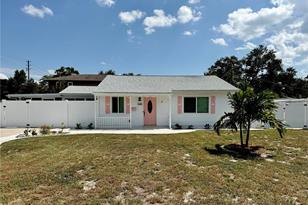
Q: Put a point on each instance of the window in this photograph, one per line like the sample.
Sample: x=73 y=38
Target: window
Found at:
x=196 y=104
x=189 y=104
x=117 y=104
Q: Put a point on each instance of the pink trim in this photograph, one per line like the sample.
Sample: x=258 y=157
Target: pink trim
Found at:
x=127 y=103
x=213 y=104
x=107 y=104
x=180 y=99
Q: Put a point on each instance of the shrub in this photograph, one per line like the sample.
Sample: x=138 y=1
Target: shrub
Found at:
x=34 y=132
x=190 y=127
x=177 y=126
x=26 y=132
x=207 y=126
x=45 y=130
x=91 y=126
x=78 y=126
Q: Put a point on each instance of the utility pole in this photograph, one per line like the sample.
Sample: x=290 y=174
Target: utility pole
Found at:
x=28 y=69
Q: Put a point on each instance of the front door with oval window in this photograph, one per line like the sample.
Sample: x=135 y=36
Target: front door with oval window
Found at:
x=150 y=111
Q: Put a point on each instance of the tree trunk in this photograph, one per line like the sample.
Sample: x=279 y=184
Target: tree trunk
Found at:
x=248 y=133
x=241 y=135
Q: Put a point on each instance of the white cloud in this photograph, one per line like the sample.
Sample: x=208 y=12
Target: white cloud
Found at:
x=105 y=3
x=186 y=14
x=291 y=46
x=189 y=33
x=51 y=72
x=129 y=32
x=37 y=12
x=246 y=46
x=158 y=20
x=3 y=76
x=219 y=41
x=130 y=16
x=193 y=1
x=246 y=24
x=303 y=62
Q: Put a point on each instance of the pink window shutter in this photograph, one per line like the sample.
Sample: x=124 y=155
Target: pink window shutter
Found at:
x=180 y=99
x=107 y=104
x=213 y=104
x=127 y=105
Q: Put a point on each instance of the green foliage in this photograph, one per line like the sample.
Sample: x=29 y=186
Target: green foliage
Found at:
x=65 y=71
x=45 y=130
x=33 y=132
x=227 y=68
x=91 y=126
x=250 y=107
x=261 y=70
x=108 y=72
x=78 y=126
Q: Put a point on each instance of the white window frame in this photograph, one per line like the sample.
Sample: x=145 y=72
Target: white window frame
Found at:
x=111 y=105
x=196 y=104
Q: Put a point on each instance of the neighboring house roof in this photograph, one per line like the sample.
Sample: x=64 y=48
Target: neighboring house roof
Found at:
x=78 y=90
x=162 y=84
x=80 y=77
x=70 y=91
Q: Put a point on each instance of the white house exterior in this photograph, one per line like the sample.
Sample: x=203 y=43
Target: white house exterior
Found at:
x=160 y=101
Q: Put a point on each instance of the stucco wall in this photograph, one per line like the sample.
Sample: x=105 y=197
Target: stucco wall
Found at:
x=198 y=120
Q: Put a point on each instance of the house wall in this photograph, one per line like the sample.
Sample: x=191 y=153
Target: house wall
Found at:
x=52 y=113
x=162 y=103
x=198 y=120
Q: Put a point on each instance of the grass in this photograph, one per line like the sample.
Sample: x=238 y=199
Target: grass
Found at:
x=149 y=169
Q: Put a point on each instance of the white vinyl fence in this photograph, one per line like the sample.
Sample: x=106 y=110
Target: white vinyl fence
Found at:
x=52 y=113
x=293 y=112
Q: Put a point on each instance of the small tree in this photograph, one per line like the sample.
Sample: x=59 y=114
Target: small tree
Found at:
x=249 y=107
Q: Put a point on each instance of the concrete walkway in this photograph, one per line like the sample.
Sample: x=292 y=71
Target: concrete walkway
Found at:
x=132 y=131
x=9 y=134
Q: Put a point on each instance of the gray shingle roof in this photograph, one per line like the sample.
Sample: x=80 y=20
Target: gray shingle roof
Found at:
x=79 y=77
x=161 y=84
x=78 y=90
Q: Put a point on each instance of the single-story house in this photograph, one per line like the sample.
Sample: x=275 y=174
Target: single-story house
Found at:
x=160 y=101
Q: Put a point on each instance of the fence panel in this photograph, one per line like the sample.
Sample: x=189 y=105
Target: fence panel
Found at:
x=52 y=113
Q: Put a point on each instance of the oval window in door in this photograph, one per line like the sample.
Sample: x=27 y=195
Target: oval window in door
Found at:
x=150 y=106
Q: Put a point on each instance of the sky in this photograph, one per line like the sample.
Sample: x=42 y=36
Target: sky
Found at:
x=158 y=37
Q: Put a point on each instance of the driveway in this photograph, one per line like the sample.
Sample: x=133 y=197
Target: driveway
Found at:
x=8 y=134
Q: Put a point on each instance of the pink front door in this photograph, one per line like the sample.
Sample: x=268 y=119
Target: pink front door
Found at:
x=150 y=111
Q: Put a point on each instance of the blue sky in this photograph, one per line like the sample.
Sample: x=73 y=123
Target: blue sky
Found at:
x=148 y=37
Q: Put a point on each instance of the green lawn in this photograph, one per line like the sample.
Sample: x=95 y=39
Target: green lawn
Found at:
x=145 y=169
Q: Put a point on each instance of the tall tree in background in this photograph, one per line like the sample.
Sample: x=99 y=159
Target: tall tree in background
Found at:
x=15 y=82
x=65 y=71
x=227 y=68
x=19 y=83
x=108 y=72
x=261 y=70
